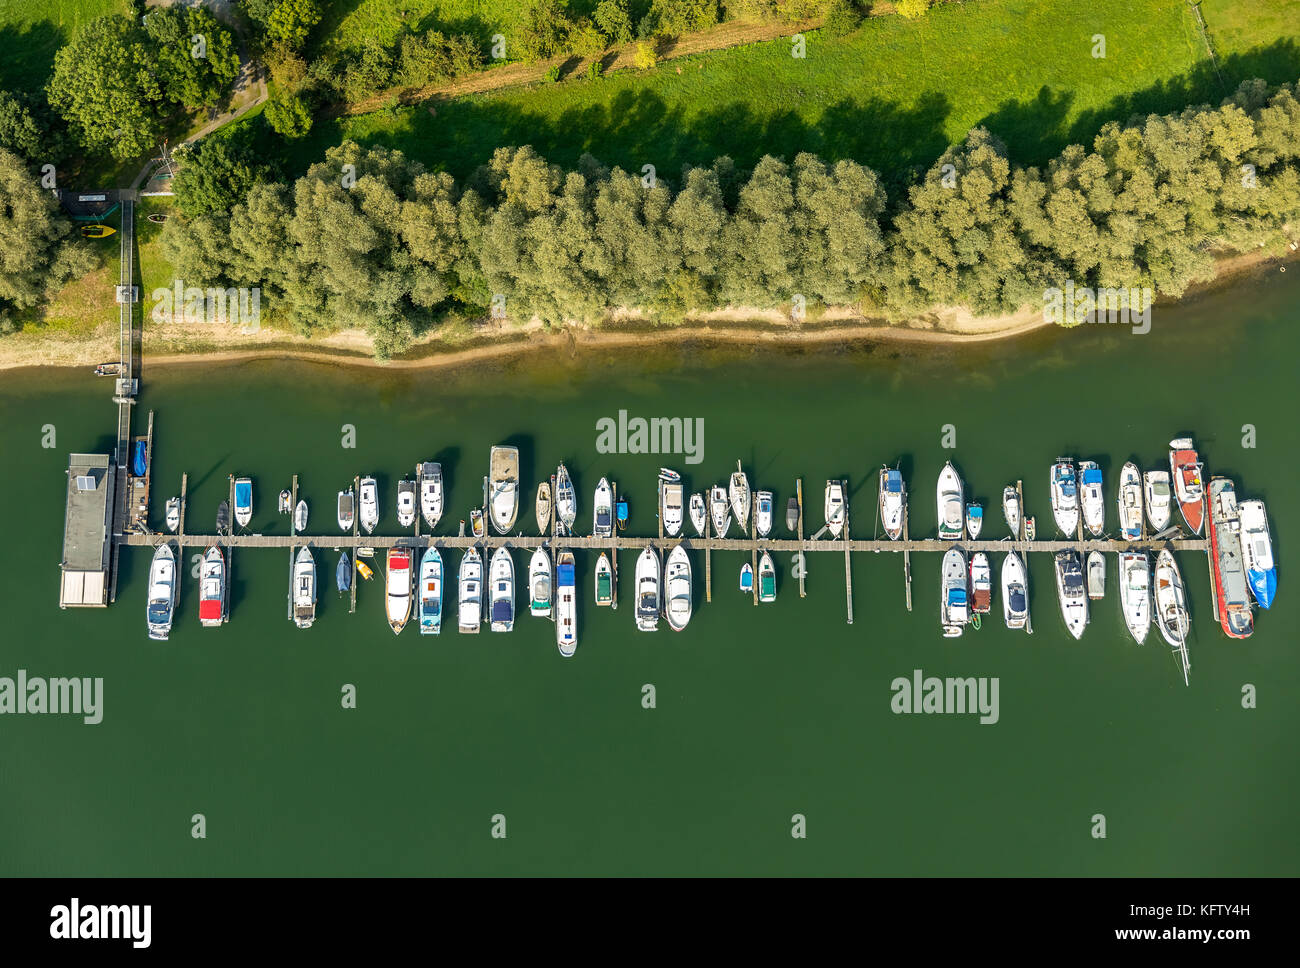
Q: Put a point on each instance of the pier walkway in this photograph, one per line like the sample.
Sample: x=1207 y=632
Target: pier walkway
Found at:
x=624 y=543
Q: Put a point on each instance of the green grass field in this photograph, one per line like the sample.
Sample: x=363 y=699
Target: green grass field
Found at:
x=31 y=31
x=892 y=95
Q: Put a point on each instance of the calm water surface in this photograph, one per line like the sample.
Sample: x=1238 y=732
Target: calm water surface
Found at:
x=760 y=715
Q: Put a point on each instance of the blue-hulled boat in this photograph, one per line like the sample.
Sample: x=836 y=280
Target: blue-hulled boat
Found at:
x=343 y=574
x=1257 y=549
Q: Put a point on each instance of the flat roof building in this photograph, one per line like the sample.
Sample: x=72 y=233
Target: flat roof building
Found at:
x=87 y=531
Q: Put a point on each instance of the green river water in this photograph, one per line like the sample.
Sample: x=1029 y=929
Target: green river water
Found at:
x=760 y=713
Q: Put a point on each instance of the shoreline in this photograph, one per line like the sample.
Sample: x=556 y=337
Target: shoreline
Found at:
x=951 y=326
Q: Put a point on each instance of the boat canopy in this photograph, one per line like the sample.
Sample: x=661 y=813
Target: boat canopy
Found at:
x=602 y=517
x=893 y=482
x=502 y=611
x=158 y=611
x=209 y=609
x=956 y=596
x=243 y=494
x=140 y=462
x=974 y=511
x=1017 y=599
x=1092 y=475
x=566 y=574
x=621 y=511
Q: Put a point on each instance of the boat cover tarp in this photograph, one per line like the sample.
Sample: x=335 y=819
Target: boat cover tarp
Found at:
x=956 y=596
x=566 y=575
x=1092 y=476
x=209 y=609
x=894 y=482
x=140 y=463
x=343 y=574
x=243 y=494
x=502 y=611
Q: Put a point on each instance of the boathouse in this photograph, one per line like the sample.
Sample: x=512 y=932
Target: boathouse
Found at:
x=87 y=531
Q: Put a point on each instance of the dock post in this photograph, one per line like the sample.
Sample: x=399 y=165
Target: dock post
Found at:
x=907 y=561
x=356 y=518
x=613 y=547
x=708 y=554
x=293 y=532
x=798 y=490
x=848 y=570
x=753 y=540
x=180 y=528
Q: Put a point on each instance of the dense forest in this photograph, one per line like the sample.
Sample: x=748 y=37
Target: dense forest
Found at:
x=370 y=238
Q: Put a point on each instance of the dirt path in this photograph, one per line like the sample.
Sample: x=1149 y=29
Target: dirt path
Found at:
x=726 y=35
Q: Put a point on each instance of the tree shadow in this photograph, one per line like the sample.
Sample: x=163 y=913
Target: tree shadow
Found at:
x=29 y=54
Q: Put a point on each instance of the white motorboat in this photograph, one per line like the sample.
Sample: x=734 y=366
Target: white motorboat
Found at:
x=1129 y=502
x=954 y=604
x=671 y=501
x=406 y=501
x=893 y=502
x=763 y=514
x=1070 y=591
x=1158 y=499
x=1257 y=550
x=699 y=514
x=604 y=581
x=974 y=520
x=503 y=487
x=539 y=584
x=738 y=496
x=300 y=517
x=284 y=506
x=173 y=514
x=566 y=605
x=1092 y=497
x=949 y=495
x=1015 y=592
x=469 y=615
x=430 y=475
x=1172 y=617
x=566 y=500
x=369 y=504
x=430 y=597
x=677 y=589
x=346 y=510
x=648 y=603
x=834 y=508
x=766 y=578
x=1096 y=575
x=304 y=589
x=503 y=590
x=1065 y=497
x=602 y=511
x=212 y=588
x=1135 y=593
x=542 y=507
x=981 y=584
x=161 y=605
x=720 y=511
x=243 y=501
x=398 y=599
x=1011 y=510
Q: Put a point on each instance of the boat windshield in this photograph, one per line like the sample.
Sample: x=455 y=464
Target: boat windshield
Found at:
x=158 y=611
x=649 y=604
x=1017 y=599
x=502 y=611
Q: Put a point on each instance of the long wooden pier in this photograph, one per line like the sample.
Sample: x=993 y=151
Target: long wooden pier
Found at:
x=577 y=543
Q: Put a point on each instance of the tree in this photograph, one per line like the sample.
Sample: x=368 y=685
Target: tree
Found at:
x=645 y=56
x=842 y=17
x=542 y=30
x=217 y=172
x=28 y=129
x=104 y=86
x=291 y=21
x=38 y=251
x=957 y=243
x=195 y=56
x=675 y=17
x=840 y=243
x=911 y=9
x=287 y=114
x=613 y=22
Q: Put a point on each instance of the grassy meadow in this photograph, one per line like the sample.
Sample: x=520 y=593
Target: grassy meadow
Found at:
x=893 y=94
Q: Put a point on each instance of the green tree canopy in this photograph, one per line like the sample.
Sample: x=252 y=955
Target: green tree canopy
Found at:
x=194 y=55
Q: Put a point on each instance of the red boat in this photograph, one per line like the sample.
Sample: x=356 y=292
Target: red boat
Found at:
x=1231 y=601
x=1185 y=469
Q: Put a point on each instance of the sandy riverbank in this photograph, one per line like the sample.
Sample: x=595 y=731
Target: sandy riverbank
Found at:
x=180 y=345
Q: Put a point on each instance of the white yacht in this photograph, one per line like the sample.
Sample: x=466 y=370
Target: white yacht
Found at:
x=162 y=592
x=430 y=475
x=893 y=502
x=1135 y=593
x=1070 y=590
x=566 y=605
x=738 y=495
x=503 y=590
x=304 y=589
x=539 y=584
x=671 y=501
x=602 y=512
x=720 y=511
x=1129 y=502
x=1158 y=499
x=1065 y=497
x=369 y=504
x=834 y=508
x=1015 y=592
x=677 y=589
x=648 y=603
x=406 y=501
x=763 y=513
x=951 y=508
x=503 y=487
x=469 y=616
x=954 y=604
x=1092 y=497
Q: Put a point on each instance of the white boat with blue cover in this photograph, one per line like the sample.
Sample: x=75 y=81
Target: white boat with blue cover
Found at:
x=1130 y=502
x=1092 y=497
x=1065 y=496
x=1257 y=549
x=503 y=590
x=954 y=602
x=566 y=605
x=430 y=594
x=243 y=501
